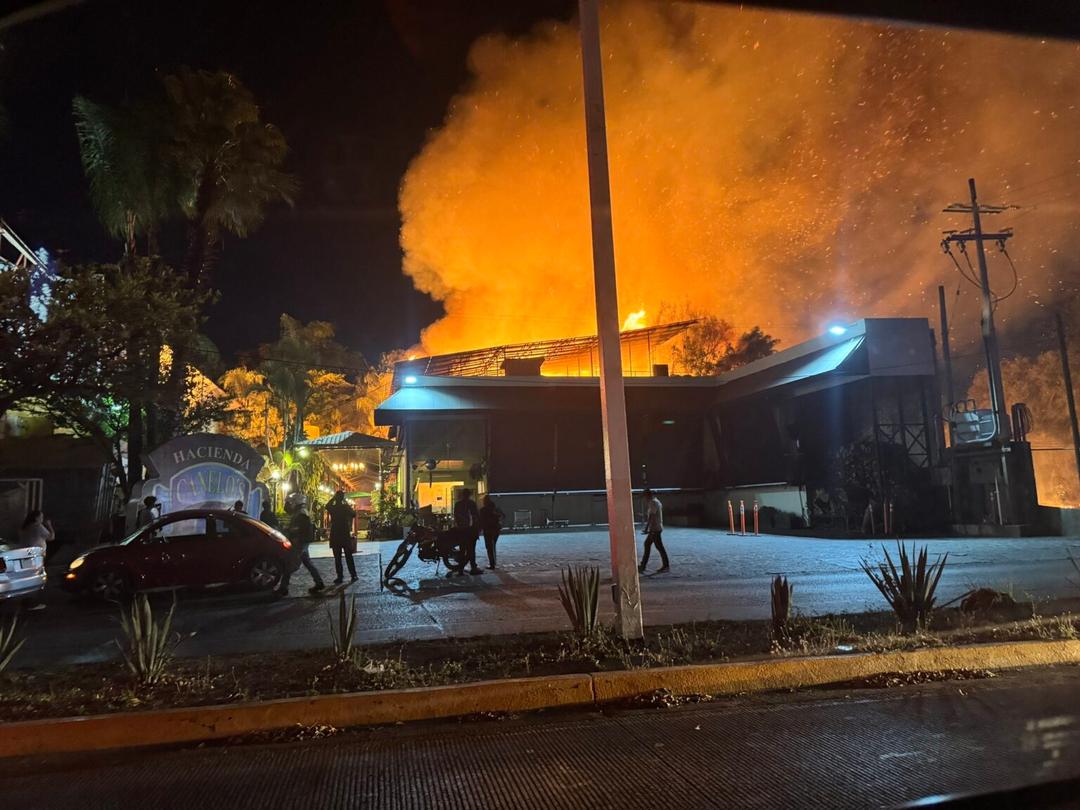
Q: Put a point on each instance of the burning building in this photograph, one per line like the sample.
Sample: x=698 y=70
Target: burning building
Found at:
x=812 y=433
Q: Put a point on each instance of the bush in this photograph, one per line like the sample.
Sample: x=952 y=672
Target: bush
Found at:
x=8 y=645
x=342 y=635
x=149 y=644
x=781 y=609
x=910 y=592
x=579 y=593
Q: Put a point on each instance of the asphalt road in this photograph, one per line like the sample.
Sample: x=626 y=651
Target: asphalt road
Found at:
x=860 y=748
x=713 y=576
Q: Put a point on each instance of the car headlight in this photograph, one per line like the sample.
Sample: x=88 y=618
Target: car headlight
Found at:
x=77 y=562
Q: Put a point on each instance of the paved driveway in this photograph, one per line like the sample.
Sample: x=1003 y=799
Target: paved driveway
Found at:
x=713 y=576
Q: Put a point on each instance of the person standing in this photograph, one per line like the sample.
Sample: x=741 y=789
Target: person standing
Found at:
x=36 y=530
x=148 y=512
x=654 y=527
x=342 y=542
x=238 y=508
x=268 y=517
x=467 y=525
x=301 y=534
x=491 y=518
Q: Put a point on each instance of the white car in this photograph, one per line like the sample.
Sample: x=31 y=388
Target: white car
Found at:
x=22 y=571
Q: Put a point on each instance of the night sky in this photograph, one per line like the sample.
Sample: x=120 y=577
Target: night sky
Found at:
x=354 y=86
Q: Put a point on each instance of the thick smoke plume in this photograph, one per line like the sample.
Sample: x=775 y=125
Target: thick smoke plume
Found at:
x=775 y=169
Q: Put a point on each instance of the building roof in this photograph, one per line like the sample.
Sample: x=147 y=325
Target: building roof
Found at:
x=347 y=440
x=872 y=347
x=827 y=361
x=489 y=362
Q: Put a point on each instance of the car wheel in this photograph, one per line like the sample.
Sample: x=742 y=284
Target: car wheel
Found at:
x=265 y=573
x=110 y=586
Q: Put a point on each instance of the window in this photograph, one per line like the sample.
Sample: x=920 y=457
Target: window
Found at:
x=225 y=528
x=186 y=528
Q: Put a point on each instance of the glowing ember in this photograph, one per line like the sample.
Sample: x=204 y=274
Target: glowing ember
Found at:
x=635 y=320
x=769 y=168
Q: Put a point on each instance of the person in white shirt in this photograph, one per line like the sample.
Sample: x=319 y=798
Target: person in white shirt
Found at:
x=654 y=527
x=36 y=530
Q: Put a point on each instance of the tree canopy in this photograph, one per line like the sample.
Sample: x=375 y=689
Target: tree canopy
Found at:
x=199 y=150
x=97 y=361
x=712 y=346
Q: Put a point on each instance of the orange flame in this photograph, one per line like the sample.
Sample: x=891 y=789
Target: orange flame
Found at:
x=769 y=168
x=635 y=320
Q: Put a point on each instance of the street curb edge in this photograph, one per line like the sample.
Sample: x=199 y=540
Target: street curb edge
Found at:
x=195 y=724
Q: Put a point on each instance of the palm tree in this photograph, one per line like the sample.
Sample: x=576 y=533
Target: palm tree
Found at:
x=228 y=159
x=203 y=152
x=132 y=184
x=299 y=372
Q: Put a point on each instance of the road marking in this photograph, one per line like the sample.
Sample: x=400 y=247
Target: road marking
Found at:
x=899 y=755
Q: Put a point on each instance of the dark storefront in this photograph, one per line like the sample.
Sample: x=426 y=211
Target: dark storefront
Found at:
x=812 y=433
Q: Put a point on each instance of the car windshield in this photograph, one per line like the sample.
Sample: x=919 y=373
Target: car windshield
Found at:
x=621 y=334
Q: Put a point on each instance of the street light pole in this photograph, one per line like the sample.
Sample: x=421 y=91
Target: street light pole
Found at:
x=620 y=507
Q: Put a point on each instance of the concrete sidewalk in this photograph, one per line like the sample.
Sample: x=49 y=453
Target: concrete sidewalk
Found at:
x=834 y=749
x=714 y=576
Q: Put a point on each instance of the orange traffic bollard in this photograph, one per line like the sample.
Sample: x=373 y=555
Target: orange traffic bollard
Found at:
x=742 y=516
x=731 y=517
x=757 y=525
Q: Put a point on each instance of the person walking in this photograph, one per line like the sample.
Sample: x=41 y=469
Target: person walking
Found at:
x=491 y=518
x=654 y=527
x=342 y=542
x=467 y=525
x=301 y=534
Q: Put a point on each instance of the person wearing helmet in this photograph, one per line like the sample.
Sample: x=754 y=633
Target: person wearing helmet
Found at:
x=301 y=533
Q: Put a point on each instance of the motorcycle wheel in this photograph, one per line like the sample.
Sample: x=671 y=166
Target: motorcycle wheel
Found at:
x=397 y=562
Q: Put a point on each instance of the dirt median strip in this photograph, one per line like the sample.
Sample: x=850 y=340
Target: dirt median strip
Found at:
x=171 y=726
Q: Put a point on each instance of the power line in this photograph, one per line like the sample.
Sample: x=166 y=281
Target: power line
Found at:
x=1075 y=170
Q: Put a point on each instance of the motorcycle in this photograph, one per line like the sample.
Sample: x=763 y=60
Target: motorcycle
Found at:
x=431 y=545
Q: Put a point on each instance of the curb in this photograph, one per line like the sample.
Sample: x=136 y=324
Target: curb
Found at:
x=171 y=726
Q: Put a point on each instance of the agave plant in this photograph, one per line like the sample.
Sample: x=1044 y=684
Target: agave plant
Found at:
x=579 y=593
x=149 y=644
x=781 y=608
x=909 y=591
x=342 y=634
x=8 y=645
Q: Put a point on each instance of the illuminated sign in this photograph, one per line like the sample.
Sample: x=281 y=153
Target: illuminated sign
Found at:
x=203 y=471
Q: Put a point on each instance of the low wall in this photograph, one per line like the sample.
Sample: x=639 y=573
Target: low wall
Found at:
x=1060 y=520
x=589 y=507
x=781 y=506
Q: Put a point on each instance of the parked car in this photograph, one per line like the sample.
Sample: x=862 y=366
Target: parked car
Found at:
x=191 y=548
x=22 y=571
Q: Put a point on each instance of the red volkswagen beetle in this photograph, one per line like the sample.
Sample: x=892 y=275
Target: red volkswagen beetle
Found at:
x=192 y=548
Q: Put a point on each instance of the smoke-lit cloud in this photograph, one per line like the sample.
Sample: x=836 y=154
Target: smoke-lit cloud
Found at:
x=775 y=169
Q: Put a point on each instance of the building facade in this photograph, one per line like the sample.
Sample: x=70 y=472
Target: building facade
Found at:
x=813 y=434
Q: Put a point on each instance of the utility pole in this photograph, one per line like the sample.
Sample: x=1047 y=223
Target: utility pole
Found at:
x=989 y=334
x=946 y=350
x=620 y=507
x=1066 y=372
